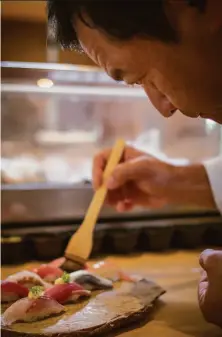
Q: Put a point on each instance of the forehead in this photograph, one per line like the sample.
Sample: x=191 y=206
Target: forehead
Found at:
x=107 y=52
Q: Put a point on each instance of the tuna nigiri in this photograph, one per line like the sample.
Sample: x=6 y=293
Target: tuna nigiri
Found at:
x=63 y=291
x=11 y=291
x=30 y=310
x=48 y=272
x=57 y=262
x=89 y=280
x=28 y=279
x=66 y=292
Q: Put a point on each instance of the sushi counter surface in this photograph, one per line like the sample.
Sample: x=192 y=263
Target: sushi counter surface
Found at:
x=177 y=313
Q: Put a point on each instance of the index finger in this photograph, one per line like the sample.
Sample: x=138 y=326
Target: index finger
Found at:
x=99 y=164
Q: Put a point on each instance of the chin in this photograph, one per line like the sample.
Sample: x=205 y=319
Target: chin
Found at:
x=189 y=114
x=215 y=118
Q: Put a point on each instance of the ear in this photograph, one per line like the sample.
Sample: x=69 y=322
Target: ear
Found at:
x=183 y=16
x=213 y=12
x=196 y=16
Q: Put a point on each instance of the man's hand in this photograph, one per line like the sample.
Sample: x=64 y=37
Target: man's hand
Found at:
x=210 y=286
x=142 y=180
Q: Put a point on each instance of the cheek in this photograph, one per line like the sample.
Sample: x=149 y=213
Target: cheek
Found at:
x=181 y=88
x=184 y=79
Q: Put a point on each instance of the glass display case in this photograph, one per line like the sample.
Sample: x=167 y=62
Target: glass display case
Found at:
x=56 y=117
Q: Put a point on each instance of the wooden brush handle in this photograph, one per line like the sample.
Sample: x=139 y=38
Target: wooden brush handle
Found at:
x=99 y=196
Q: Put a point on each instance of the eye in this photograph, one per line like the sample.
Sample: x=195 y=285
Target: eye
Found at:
x=136 y=84
x=139 y=82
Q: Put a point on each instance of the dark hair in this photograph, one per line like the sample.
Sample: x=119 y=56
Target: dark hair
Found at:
x=120 y=19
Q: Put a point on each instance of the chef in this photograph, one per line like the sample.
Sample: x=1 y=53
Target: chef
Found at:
x=173 y=50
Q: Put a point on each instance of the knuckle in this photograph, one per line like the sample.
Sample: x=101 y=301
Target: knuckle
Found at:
x=100 y=155
x=97 y=157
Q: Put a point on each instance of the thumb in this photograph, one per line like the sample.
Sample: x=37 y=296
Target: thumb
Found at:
x=211 y=262
x=131 y=170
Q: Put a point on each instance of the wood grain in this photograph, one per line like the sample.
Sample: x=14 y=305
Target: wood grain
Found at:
x=178 y=272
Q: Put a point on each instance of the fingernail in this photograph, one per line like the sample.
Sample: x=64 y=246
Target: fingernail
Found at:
x=206 y=252
x=111 y=183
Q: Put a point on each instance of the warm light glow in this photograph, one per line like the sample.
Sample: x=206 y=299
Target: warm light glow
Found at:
x=44 y=83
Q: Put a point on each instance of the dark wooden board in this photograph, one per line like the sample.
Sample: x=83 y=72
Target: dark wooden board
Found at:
x=102 y=314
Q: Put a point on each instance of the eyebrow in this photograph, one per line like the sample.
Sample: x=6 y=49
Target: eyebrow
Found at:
x=117 y=74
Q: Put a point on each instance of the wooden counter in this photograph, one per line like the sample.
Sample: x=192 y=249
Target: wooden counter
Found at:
x=177 y=314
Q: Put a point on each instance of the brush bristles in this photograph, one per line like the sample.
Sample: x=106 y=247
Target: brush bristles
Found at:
x=73 y=263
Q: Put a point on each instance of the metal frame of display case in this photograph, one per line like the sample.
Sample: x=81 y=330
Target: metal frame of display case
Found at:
x=38 y=203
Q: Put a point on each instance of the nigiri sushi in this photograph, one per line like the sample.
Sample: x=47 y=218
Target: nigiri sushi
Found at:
x=28 y=279
x=31 y=309
x=66 y=292
x=57 y=262
x=48 y=272
x=11 y=291
x=89 y=280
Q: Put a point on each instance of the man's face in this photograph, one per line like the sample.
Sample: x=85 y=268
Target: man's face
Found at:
x=186 y=76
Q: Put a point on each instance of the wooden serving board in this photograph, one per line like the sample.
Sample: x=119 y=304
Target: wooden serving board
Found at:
x=103 y=313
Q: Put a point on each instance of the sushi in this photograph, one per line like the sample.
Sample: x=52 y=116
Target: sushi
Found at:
x=11 y=291
x=48 y=272
x=66 y=292
x=32 y=308
x=89 y=280
x=28 y=279
x=57 y=262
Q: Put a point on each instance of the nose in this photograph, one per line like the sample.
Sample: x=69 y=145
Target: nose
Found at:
x=160 y=101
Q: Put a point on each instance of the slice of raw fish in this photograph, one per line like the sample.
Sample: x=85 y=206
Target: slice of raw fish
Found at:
x=110 y=270
x=11 y=291
x=30 y=310
x=28 y=279
x=89 y=280
x=66 y=292
x=48 y=273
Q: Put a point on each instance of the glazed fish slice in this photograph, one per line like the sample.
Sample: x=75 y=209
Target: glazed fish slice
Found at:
x=31 y=310
x=89 y=280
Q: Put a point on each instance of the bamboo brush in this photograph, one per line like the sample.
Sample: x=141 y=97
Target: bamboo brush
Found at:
x=80 y=245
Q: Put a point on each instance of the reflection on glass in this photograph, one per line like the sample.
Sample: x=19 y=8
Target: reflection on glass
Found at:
x=56 y=117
